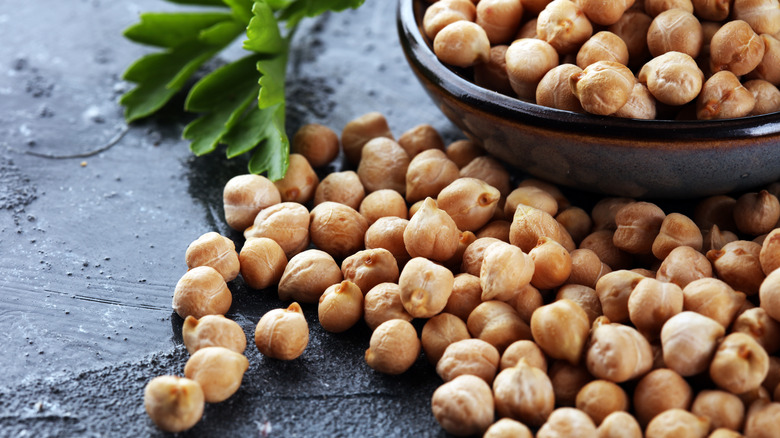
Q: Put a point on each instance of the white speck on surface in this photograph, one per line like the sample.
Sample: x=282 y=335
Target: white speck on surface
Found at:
x=25 y=130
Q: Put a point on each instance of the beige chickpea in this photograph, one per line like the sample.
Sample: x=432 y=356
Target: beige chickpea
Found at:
x=534 y=6
x=722 y=432
x=262 y=262
x=383 y=303
x=673 y=78
x=560 y=199
x=740 y=364
x=500 y=19
x=317 y=143
x=497 y=323
x=215 y=250
x=174 y=403
x=723 y=409
x=425 y=287
x=218 y=370
x=428 y=173
x=529 y=224
x=369 y=267
x=757 y=323
x=470 y=202
x=439 y=332
x=525 y=350
x=383 y=165
x=738 y=264
x=619 y=425
x=677 y=422
x=344 y=187
x=604 y=13
x=638 y=224
x=769 y=256
x=676 y=230
x=600 y=398
x=715 y=210
x=212 y=331
x=463 y=406
x=286 y=223
x=655 y=7
x=525 y=302
x=658 y=391
x=444 y=12
x=357 y=132
x=489 y=170
x=769 y=67
x=492 y=74
x=675 y=30
x=561 y=329
x=716 y=239
x=201 y=291
x=584 y=296
x=724 y=97
x=383 y=203
x=736 y=47
x=462 y=152
x=762 y=15
x=766 y=94
x=713 y=298
x=431 y=233
x=553 y=89
x=524 y=393
x=640 y=105
x=684 y=265
x=420 y=138
x=632 y=29
x=282 y=333
x=614 y=290
x=388 y=233
x=605 y=211
x=531 y=196
x=757 y=212
x=505 y=269
x=563 y=25
x=635 y=360
x=394 y=347
x=474 y=255
x=468 y=356
x=462 y=44
x=602 y=46
x=508 y=428
x=652 y=303
x=567 y=422
x=711 y=10
x=576 y=221
x=337 y=229
x=688 y=341
x=552 y=264
x=762 y=419
x=586 y=268
x=466 y=295
x=603 y=87
x=340 y=307
x=527 y=61
x=498 y=229
x=769 y=294
x=567 y=380
x=244 y=196
x=307 y=275
x=772 y=379
x=299 y=181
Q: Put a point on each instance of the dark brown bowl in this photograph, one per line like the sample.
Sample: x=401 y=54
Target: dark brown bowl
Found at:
x=607 y=155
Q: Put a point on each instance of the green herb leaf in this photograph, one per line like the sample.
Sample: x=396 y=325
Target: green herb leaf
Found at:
x=263 y=34
x=273 y=156
x=172 y=29
x=242 y=9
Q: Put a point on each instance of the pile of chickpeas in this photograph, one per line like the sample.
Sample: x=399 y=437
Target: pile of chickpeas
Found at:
x=541 y=318
x=643 y=59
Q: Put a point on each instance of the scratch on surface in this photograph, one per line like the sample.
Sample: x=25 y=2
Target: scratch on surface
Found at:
x=111 y=143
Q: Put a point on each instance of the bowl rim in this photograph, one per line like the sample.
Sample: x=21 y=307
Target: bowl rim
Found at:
x=422 y=59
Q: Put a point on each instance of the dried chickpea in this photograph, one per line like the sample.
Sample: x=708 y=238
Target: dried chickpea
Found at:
x=508 y=428
x=463 y=406
x=586 y=268
x=307 y=275
x=201 y=291
x=713 y=298
x=603 y=87
x=286 y=223
x=711 y=10
x=563 y=25
x=737 y=263
x=527 y=61
x=673 y=78
x=394 y=347
x=468 y=356
x=676 y=230
x=489 y=170
x=600 y=398
x=614 y=290
x=655 y=7
x=497 y=323
x=567 y=422
x=383 y=203
x=552 y=264
x=505 y=270
x=215 y=250
x=429 y=172
x=431 y=233
x=299 y=181
x=262 y=262
x=763 y=328
x=640 y=104
x=524 y=393
x=552 y=189
x=723 y=409
x=769 y=294
x=462 y=44
x=439 y=332
x=675 y=30
x=604 y=13
x=534 y=6
x=525 y=301
x=359 y=131
x=529 y=224
x=498 y=229
x=740 y=364
x=762 y=15
x=567 y=380
x=636 y=356
x=499 y=18
x=383 y=303
x=602 y=46
x=724 y=97
x=533 y=197
x=561 y=329
x=420 y=138
x=757 y=213
x=684 y=265
x=716 y=239
x=677 y=422
x=470 y=202
x=767 y=96
x=388 y=233
x=462 y=152
x=553 y=89
x=244 y=196
x=724 y=433
x=772 y=379
x=212 y=331
x=474 y=255
x=688 y=341
x=632 y=29
x=769 y=67
x=174 y=403
x=318 y=143
x=369 y=267
x=605 y=210
x=343 y=187
x=658 y=391
x=492 y=74
x=619 y=425
x=583 y=296
x=218 y=370
x=576 y=221
x=638 y=224
x=282 y=333
x=337 y=229
x=736 y=47
x=762 y=420
x=466 y=295
x=652 y=303
x=340 y=307
x=383 y=165
x=443 y=12
x=715 y=210
x=523 y=350
x=425 y=287
x=769 y=256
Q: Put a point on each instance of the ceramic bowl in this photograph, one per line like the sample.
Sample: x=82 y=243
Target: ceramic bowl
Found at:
x=605 y=155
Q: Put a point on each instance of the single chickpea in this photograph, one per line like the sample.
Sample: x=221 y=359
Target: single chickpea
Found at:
x=724 y=433
x=534 y=6
x=614 y=290
x=340 y=307
x=568 y=380
x=561 y=329
x=772 y=379
x=712 y=10
x=603 y=87
x=523 y=350
x=600 y=398
x=462 y=152
x=762 y=15
x=505 y=269
x=740 y=364
x=443 y=12
x=307 y=275
x=369 y=267
x=552 y=264
x=567 y=422
x=524 y=393
x=463 y=406
x=676 y=230
x=563 y=25
x=553 y=89
x=736 y=47
x=492 y=74
x=359 y=131
x=383 y=165
x=716 y=239
x=602 y=46
x=525 y=301
x=218 y=370
x=215 y=250
x=431 y=233
x=658 y=391
x=769 y=294
x=462 y=44
x=586 y=268
x=286 y=223
x=576 y=221
x=724 y=97
x=508 y=428
x=767 y=96
x=383 y=203
x=388 y=233
x=174 y=404
x=713 y=298
x=299 y=182
x=425 y=287
x=619 y=425
x=757 y=213
x=529 y=224
x=489 y=170
x=497 y=229
x=723 y=409
x=468 y=356
x=201 y=291
x=715 y=210
x=466 y=295
x=500 y=19
x=632 y=29
x=769 y=256
x=757 y=323
x=429 y=172
x=769 y=67
x=652 y=303
x=640 y=104
x=262 y=262
x=688 y=341
x=605 y=210
x=394 y=347
x=440 y=332
x=636 y=356
x=474 y=255
x=212 y=331
x=738 y=264
x=533 y=197
x=343 y=187
x=605 y=13
x=677 y=422
x=497 y=323
x=583 y=296
x=655 y=7
x=560 y=199
x=762 y=419
x=383 y=303
x=337 y=229
x=282 y=333
x=317 y=143
x=244 y=196
x=673 y=78
x=675 y=30
x=684 y=265
x=527 y=61
x=638 y=225
x=470 y=202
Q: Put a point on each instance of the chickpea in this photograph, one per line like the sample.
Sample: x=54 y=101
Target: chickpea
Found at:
x=772 y=379
x=605 y=211
x=359 y=131
x=636 y=356
x=619 y=425
x=244 y=196
x=600 y=398
x=560 y=199
x=684 y=265
x=174 y=404
x=383 y=165
x=525 y=302
x=767 y=96
x=425 y=287
x=525 y=350
x=462 y=44
x=463 y=406
x=429 y=172
x=466 y=295
x=640 y=104
x=658 y=391
x=716 y=239
x=553 y=89
x=282 y=333
x=552 y=264
x=724 y=433
x=769 y=67
x=431 y=233
x=652 y=303
x=262 y=262
x=568 y=380
x=212 y=331
x=201 y=291
x=388 y=233
x=614 y=290
x=369 y=267
x=561 y=329
x=638 y=224
x=299 y=181
x=307 y=275
x=286 y=223
x=740 y=364
x=757 y=323
x=342 y=187
x=769 y=256
x=212 y=249
x=677 y=422
x=505 y=269
x=762 y=15
x=533 y=197
x=440 y=332
x=655 y=7
x=723 y=409
x=527 y=61
x=769 y=294
x=443 y=12
x=218 y=370
x=529 y=224
x=603 y=87
x=676 y=230
x=762 y=420
x=337 y=229
x=500 y=19
x=474 y=255
x=394 y=347
x=534 y=6
x=711 y=10
x=724 y=97
x=713 y=298
x=584 y=296
x=383 y=303
x=469 y=356
x=497 y=323
x=715 y=210
x=602 y=46
x=757 y=213
x=340 y=307
x=462 y=152
x=675 y=30
x=492 y=75
x=383 y=203
x=576 y=221
x=605 y=13
x=489 y=170
x=497 y=229
x=469 y=202
x=737 y=263
x=632 y=29
x=688 y=341
x=586 y=268
x=317 y=143
x=673 y=78
x=508 y=428
x=736 y=47
x=563 y=25
x=524 y=393
x=567 y=422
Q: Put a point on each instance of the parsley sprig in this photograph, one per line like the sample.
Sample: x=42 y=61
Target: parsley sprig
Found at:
x=240 y=104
